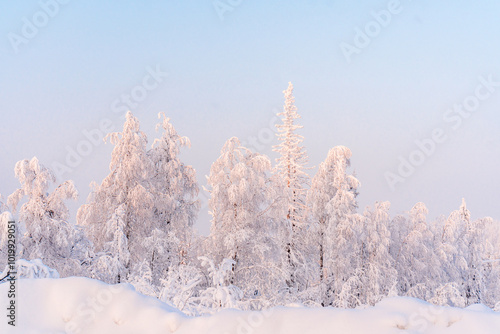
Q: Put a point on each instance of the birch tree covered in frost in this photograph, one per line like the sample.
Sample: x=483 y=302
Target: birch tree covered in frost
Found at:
x=417 y=265
x=474 y=249
x=175 y=191
x=290 y=168
x=43 y=218
x=242 y=202
x=127 y=187
x=112 y=264
x=491 y=263
x=452 y=249
x=452 y=252
x=150 y=198
x=332 y=199
x=379 y=275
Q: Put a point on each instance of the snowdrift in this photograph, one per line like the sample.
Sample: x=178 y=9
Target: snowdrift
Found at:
x=82 y=305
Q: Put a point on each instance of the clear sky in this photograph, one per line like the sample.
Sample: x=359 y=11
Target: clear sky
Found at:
x=65 y=69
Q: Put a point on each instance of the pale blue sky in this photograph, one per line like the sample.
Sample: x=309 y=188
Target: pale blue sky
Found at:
x=226 y=77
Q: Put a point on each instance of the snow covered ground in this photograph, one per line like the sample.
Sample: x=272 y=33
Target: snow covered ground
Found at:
x=82 y=305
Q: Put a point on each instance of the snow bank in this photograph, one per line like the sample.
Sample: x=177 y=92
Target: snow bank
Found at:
x=82 y=305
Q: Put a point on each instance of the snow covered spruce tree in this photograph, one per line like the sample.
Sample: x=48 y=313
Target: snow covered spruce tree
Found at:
x=175 y=191
x=242 y=205
x=332 y=200
x=43 y=219
x=126 y=187
x=290 y=169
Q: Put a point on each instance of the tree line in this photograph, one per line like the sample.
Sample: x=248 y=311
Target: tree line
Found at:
x=277 y=235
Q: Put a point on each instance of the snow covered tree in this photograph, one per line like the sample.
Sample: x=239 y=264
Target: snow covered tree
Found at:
x=181 y=288
x=175 y=190
x=448 y=294
x=473 y=276
x=43 y=218
x=459 y=255
x=5 y=218
x=34 y=269
x=491 y=263
x=399 y=228
x=379 y=275
x=220 y=293
x=161 y=252
x=419 y=269
x=3 y=206
x=110 y=265
x=453 y=242
x=291 y=166
x=127 y=187
x=241 y=204
x=141 y=277
x=155 y=196
x=332 y=199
